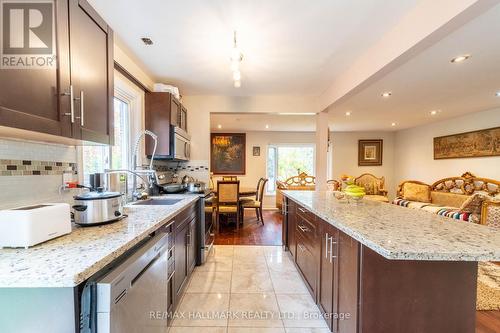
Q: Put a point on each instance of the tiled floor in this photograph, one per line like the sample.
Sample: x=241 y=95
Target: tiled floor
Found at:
x=247 y=289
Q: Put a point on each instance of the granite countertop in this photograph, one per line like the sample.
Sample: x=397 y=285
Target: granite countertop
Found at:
x=397 y=232
x=71 y=259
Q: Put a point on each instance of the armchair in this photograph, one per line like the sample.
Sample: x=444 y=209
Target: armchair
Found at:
x=374 y=187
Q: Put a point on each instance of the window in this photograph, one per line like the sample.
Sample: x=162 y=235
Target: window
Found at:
x=284 y=161
x=99 y=158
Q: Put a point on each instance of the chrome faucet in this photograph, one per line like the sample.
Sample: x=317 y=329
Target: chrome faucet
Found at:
x=152 y=177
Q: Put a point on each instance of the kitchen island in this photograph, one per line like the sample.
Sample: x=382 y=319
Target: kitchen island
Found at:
x=375 y=267
x=46 y=281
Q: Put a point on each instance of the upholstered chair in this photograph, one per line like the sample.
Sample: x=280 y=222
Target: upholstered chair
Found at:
x=374 y=187
x=228 y=197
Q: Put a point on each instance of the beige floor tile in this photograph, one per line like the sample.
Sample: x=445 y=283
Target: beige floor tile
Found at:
x=248 y=251
x=245 y=281
x=202 y=310
x=273 y=250
x=223 y=251
x=197 y=330
x=217 y=264
x=254 y=310
x=288 y=282
x=255 y=330
x=250 y=264
x=306 y=330
x=301 y=309
x=209 y=282
x=280 y=263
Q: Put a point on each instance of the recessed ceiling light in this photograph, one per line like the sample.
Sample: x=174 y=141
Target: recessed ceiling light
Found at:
x=434 y=112
x=219 y=126
x=460 y=58
x=386 y=94
x=393 y=124
x=147 y=40
x=497 y=94
x=348 y=113
x=267 y=126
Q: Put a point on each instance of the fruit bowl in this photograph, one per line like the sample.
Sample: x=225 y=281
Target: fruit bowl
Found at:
x=355 y=192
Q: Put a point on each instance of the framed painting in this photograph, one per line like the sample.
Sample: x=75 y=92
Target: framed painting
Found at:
x=256 y=151
x=370 y=152
x=480 y=143
x=227 y=153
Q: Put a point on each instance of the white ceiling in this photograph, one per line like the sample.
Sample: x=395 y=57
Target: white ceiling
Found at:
x=427 y=82
x=257 y=122
x=430 y=81
x=289 y=46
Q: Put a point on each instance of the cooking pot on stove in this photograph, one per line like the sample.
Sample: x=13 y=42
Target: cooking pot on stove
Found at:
x=196 y=187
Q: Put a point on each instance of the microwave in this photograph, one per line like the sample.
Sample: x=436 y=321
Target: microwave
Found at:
x=180 y=144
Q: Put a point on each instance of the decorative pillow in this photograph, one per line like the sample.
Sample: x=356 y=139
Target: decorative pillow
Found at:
x=474 y=204
x=417 y=192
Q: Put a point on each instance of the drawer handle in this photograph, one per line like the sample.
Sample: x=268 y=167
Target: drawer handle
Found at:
x=302 y=228
x=301 y=247
x=302 y=210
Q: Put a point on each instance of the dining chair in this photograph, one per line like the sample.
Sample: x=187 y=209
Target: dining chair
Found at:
x=257 y=203
x=228 y=196
x=229 y=178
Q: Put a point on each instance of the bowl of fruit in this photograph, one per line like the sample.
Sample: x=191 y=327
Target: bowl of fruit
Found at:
x=355 y=192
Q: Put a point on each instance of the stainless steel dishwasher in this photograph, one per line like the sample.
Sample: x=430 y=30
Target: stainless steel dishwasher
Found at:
x=133 y=297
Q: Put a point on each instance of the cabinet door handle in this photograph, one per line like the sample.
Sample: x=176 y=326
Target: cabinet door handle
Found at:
x=302 y=210
x=71 y=104
x=82 y=108
x=326 y=245
x=301 y=247
x=331 y=249
x=302 y=228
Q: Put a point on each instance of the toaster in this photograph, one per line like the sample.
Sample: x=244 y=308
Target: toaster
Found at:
x=31 y=225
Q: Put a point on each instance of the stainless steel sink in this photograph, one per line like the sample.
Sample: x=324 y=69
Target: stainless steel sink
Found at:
x=156 y=202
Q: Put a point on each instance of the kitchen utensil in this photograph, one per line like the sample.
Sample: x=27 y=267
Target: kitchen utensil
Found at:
x=99 y=207
x=31 y=225
x=196 y=187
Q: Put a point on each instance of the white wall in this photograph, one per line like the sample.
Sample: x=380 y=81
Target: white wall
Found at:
x=256 y=165
x=345 y=156
x=414 y=150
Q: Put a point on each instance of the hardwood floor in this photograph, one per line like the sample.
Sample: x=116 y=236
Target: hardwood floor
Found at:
x=252 y=232
x=487 y=321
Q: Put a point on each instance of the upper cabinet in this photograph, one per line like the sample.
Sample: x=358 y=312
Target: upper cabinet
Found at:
x=163 y=111
x=64 y=85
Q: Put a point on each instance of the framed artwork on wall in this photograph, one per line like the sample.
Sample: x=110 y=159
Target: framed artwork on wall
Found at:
x=256 y=151
x=480 y=143
x=370 y=152
x=227 y=153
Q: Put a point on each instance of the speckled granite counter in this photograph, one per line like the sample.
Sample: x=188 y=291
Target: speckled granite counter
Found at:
x=71 y=259
x=401 y=233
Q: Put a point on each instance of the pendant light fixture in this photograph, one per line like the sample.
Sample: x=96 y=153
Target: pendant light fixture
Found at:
x=236 y=58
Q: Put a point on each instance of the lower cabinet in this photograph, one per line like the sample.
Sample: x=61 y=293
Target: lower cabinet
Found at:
x=185 y=249
x=291 y=211
x=328 y=275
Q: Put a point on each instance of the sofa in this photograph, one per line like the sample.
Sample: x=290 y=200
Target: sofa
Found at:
x=300 y=182
x=466 y=198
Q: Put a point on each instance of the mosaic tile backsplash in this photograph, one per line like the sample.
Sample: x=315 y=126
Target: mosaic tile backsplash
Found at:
x=35 y=168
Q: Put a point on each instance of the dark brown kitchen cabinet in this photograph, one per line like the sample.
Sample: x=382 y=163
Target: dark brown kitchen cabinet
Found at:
x=307 y=248
x=73 y=99
x=185 y=248
x=291 y=216
x=91 y=43
x=175 y=107
x=158 y=111
x=328 y=275
x=191 y=245
x=32 y=99
x=182 y=118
